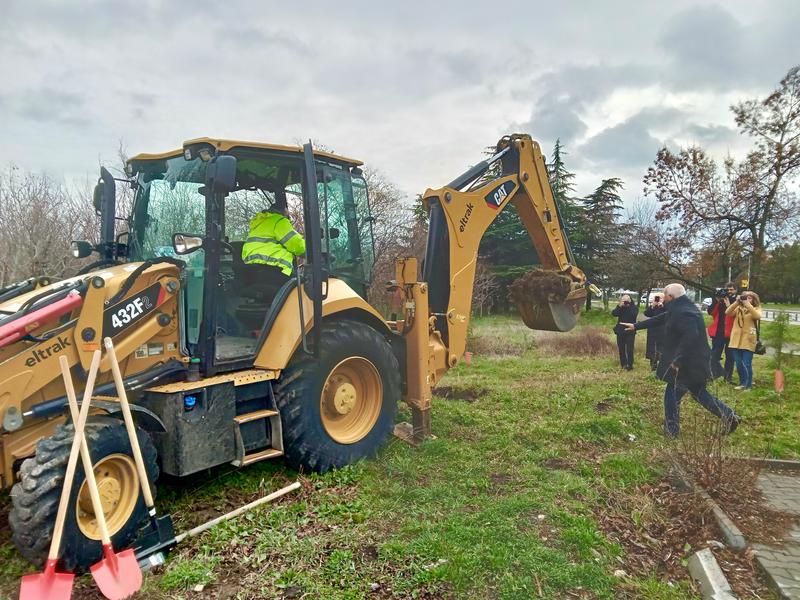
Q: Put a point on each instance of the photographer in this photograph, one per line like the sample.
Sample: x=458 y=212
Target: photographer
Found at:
x=655 y=335
x=720 y=331
x=746 y=314
x=626 y=312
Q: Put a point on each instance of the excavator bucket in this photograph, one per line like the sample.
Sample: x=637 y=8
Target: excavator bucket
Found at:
x=548 y=300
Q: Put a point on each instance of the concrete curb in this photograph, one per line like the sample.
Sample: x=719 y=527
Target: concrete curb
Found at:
x=733 y=535
x=773 y=562
x=703 y=567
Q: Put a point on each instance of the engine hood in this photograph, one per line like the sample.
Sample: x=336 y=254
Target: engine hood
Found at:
x=114 y=277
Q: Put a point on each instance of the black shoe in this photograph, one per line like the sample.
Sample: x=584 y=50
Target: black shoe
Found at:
x=629 y=368
x=733 y=423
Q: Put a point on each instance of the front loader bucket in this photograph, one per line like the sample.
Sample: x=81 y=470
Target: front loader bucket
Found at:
x=548 y=300
x=553 y=316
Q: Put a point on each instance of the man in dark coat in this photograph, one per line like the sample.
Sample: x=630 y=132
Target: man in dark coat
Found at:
x=684 y=363
x=626 y=312
x=720 y=331
x=655 y=335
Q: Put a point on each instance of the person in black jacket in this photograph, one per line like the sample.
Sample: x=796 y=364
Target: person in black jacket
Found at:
x=626 y=312
x=655 y=335
x=684 y=363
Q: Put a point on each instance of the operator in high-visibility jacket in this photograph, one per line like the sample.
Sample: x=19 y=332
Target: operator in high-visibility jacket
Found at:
x=273 y=242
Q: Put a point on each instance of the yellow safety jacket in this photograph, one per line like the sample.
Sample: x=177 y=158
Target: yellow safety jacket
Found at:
x=272 y=241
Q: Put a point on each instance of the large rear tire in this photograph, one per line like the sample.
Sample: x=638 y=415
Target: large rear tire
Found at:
x=35 y=498
x=342 y=408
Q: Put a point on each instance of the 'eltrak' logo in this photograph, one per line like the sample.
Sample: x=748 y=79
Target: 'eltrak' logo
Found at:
x=38 y=356
x=462 y=224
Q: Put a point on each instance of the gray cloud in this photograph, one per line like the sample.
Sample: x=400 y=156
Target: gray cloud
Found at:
x=709 y=47
x=417 y=89
x=705 y=45
x=628 y=143
x=48 y=105
x=554 y=119
x=711 y=134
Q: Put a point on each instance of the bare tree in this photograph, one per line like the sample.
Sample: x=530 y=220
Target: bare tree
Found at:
x=748 y=202
x=39 y=217
x=484 y=289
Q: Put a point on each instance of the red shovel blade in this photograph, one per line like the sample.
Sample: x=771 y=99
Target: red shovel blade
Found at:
x=118 y=574
x=50 y=585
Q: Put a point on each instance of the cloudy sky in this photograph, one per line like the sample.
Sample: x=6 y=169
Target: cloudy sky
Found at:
x=417 y=89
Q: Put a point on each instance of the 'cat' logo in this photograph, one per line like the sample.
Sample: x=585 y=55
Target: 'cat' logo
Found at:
x=498 y=195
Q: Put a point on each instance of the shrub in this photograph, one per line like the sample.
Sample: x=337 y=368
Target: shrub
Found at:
x=586 y=341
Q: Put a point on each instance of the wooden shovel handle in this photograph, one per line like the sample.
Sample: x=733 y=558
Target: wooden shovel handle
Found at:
x=88 y=468
x=235 y=513
x=129 y=425
x=72 y=462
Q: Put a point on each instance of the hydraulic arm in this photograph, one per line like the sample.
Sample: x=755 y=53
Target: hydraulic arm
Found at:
x=437 y=308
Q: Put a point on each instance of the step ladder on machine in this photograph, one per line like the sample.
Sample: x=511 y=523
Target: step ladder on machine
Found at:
x=268 y=417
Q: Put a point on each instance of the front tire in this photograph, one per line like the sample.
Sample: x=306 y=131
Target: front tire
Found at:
x=35 y=498
x=342 y=408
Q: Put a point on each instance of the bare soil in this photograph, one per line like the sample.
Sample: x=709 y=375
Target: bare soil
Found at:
x=539 y=286
x=454 y=393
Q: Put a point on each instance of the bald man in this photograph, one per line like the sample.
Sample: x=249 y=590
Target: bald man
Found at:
x=684 y=364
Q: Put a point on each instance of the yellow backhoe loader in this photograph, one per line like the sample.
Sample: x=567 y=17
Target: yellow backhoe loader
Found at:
x=219 y=370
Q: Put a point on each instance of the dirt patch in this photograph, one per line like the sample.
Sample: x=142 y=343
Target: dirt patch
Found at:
x=453 y=393
x=557 y=464
x=369 y=553
x=603 y=407
x=660 y=528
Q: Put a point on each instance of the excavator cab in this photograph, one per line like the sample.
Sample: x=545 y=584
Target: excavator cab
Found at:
x=222 y=294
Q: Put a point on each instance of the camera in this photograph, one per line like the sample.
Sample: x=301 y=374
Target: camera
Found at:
x=721 y=293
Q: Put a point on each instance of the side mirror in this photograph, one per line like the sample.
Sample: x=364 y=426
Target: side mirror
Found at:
x=97 y=197
x=221 y=174
x=185 y=243
x=81 y=248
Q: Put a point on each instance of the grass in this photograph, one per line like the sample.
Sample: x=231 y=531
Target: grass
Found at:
x=482 y=511
x=778 y=306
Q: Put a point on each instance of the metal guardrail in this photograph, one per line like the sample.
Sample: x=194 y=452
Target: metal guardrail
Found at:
x=769 y=314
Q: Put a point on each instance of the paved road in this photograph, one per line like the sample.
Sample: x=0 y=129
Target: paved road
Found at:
x=782 y=562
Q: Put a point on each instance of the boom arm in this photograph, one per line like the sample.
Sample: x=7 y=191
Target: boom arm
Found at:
x=437 y=309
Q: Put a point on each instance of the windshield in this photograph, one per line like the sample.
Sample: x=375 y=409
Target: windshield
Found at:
x=347 y=231
x=167 y=201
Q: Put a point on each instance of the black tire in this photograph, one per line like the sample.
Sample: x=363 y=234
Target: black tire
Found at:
x=35 y=498
x=307 y=444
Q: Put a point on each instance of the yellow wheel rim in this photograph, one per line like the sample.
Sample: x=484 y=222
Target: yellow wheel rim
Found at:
x=118 y=484
x=351 y=400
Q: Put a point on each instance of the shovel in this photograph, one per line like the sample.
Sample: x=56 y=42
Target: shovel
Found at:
x=52 y=585
x=117 y=574
x=149 y=556
x=162 y=529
